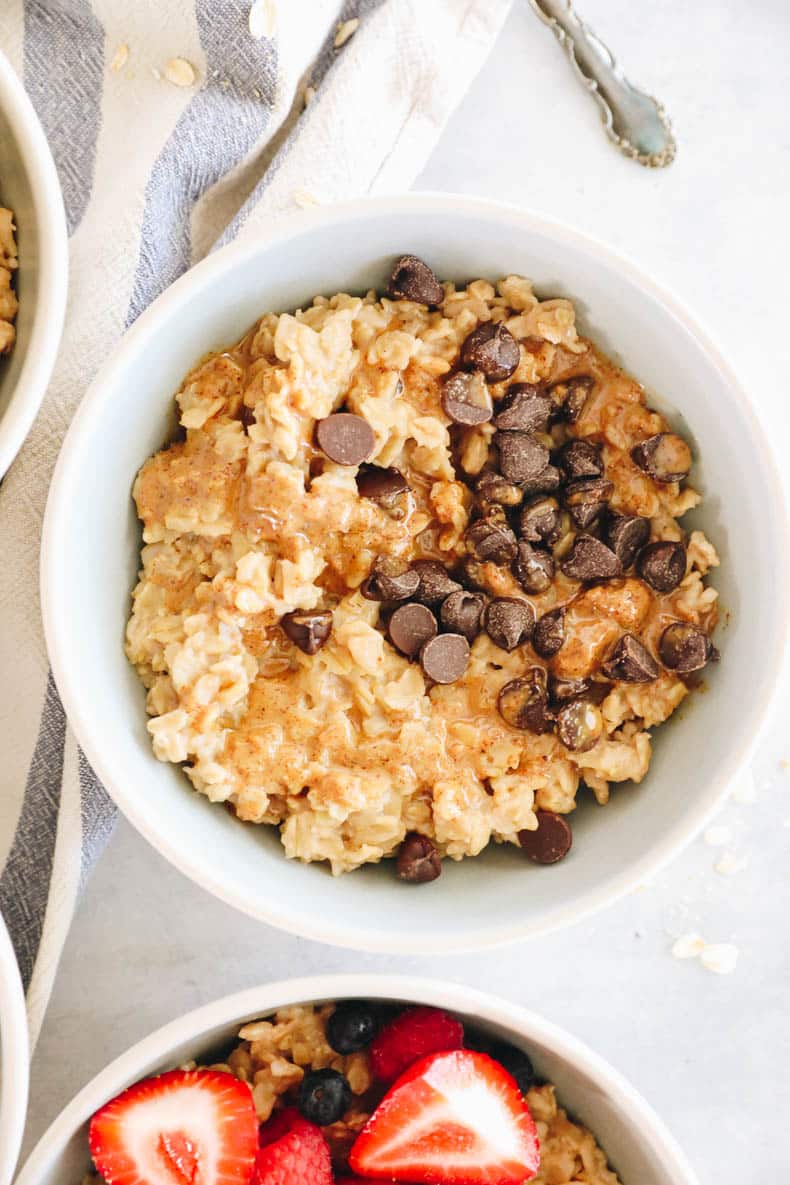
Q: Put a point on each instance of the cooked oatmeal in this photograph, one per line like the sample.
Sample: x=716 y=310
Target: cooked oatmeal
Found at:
x=415 y=572
x=8 y=265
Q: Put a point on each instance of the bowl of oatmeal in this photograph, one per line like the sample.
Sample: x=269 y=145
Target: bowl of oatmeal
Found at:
x=33 y=263
x=413 y=575
x=13 y=1058
x=318 y=1066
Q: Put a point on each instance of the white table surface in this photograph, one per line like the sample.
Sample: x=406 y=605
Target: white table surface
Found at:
x=712 y=1053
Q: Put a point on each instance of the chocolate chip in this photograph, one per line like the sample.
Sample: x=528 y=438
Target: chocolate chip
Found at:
x=589 y=559
x=492 y=349
x=345 y=438
x=550 y=842
x=665 y=457
x=549 y=635
x=390 y=579
x=444 y=658
x=539 y=521
x=307 y=630
x=631 y=662
x=626 y=534
x=435 y=582
x=492 y=487
x=247 y=415
x=580 y=458
x=547 y=480
x=509 y=621
x=579 y=725
x=586 y=499
x=525 y=408
x=522 y=703
x=491 y=541
x=533 y=568
x=411 y=279
x=570 y=395
x=410 y=627
x=521 y=457
x=461 y=613
x=380 y=485
x=465 y=399
x=563 y=690
x=685 y=648
x=418 y=860
x=662 y=565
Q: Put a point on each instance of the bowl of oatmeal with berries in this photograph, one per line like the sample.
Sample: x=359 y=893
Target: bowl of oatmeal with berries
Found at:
x=355 y=1079
x=420 y=568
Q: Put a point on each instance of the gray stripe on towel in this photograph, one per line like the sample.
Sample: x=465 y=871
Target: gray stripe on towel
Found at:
x=64 y=67
x=24 y=884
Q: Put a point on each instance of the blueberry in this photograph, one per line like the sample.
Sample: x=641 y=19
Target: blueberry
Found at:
x=351 y=1027
x=324 y=1096
x=515 y=1061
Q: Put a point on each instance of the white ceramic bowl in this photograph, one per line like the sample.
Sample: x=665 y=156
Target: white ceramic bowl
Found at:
x=13 y=1058
x=90 y=557
x=638 y=1145
x=29 y=186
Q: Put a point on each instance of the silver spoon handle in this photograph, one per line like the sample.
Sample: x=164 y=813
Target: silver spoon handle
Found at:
x=633 y=120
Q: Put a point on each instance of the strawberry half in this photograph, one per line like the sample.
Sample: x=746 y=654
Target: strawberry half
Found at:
x=186 y=1127
x=457 y=1118
x=293 y=1152
x=414 y=1033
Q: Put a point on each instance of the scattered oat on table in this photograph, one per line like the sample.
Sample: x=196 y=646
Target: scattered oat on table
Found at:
x=180 y=72
x=346 y=31
x=720 y=957
x=688 y=946
x=304 y=199
x=120 y=58
x=262 y=19
x=730 y=862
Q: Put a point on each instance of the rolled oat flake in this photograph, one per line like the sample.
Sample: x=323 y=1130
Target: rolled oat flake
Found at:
x=345 y=438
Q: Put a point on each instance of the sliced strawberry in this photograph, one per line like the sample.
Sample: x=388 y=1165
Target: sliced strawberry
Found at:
x=413 y=1034
x=186 y=1127
x=457 y=1118
x=293 y=1152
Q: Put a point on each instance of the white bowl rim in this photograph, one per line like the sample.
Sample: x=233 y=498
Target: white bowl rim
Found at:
x=15 y=1058
x=267 y=997
x=42 y=348
x=679 y=832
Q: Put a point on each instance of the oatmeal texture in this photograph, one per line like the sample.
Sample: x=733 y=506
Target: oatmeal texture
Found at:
x=245 y=520
x=8 y=265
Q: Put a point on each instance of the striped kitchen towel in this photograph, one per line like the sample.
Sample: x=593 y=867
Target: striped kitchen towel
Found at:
x=176 y=126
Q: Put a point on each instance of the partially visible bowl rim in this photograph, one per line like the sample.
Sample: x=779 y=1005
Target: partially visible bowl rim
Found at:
x=320 y=927
x=14 y=1061
x=260 y=1001
x=42 y=348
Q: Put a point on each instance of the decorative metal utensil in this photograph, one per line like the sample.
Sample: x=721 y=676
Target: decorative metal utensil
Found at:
x=634 y=121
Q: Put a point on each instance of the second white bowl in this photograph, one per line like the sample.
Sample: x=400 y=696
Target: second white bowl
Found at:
x=636 y=1141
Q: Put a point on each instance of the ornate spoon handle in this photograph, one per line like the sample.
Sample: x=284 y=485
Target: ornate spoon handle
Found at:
x=634 y=121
